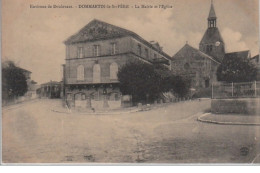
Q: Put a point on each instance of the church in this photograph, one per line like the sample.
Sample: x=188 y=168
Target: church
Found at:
x=200 y=65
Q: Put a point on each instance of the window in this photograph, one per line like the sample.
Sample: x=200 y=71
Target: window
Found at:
x=96 y=50
x=186 y=66
x=80 y=52
x=206 y=83
x=114 y=49
x=209 y=48
x=146 y=53
x=80 y=72
x=96 y=73
x=155 y=56
x=139 y=50
x=113 y=71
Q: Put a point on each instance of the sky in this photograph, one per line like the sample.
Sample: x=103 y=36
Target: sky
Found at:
x=33 y=37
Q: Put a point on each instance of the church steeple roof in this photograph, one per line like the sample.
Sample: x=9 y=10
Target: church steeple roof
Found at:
x=212 y=14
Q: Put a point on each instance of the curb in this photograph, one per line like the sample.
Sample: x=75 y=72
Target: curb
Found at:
x=223 y=123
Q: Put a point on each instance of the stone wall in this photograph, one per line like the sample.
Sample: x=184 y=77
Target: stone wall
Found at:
x=250 y=106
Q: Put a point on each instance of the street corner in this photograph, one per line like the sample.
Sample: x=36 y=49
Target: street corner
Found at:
x=230 y=119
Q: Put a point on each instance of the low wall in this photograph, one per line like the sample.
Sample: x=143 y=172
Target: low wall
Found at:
x=249 y=106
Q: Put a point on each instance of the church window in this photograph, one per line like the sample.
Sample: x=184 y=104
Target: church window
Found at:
x=186 y=66
x=96 y=74
x=80 y=72
x=80 y=52
x=206 y=83
x=209 y=48
x=113 y=70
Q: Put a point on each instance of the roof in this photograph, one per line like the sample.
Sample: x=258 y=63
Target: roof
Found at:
x=189 y=50
x=212 y=14
x=51 y=83
x=212 y=35
x=255 y=57
x=241 y=54
x=99 y=30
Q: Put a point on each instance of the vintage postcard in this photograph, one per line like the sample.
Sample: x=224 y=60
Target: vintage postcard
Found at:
x=130 y=82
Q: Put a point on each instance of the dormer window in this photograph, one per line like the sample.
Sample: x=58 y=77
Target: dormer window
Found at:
x=96 y=50
x=80 y=52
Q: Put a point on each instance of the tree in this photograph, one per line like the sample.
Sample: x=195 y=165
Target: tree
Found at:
x=236 y=69
x=147 y=82
x=178 y=85
x=14 y=81
x=139 y=80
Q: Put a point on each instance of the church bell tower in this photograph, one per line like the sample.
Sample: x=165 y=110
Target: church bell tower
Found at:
x=212 y=42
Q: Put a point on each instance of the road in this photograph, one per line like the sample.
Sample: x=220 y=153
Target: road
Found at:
x=32 y=133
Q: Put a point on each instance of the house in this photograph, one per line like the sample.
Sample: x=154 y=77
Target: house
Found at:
x=50 y=89
x=93 y=57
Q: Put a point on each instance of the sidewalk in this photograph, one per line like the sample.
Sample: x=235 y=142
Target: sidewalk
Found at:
x=88 y=111
x=230 y=119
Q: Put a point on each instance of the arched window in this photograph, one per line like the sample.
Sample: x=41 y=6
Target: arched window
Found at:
x=96 y=73
x=113 y=70
x=80 y=72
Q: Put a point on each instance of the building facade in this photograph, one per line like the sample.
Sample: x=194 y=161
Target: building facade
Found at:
x=93 y=58
x=195 y=65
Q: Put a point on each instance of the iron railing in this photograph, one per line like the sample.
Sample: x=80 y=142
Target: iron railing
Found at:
x=236 y=90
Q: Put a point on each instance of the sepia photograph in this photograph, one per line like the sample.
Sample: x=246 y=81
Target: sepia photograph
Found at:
x=130 y=82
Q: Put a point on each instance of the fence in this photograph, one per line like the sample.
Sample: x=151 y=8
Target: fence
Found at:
x=236 y=90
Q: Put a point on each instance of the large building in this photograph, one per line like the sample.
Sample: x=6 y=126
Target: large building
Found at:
x=93 y=57
x=200 y=65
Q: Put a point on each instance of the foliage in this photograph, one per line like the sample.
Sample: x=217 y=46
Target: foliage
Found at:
x=14 y=81
x=236 y=69
x=145 y=82
x=178 y=85
x=139 y=80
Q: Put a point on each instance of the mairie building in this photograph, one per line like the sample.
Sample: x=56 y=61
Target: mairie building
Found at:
x=93 y=57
